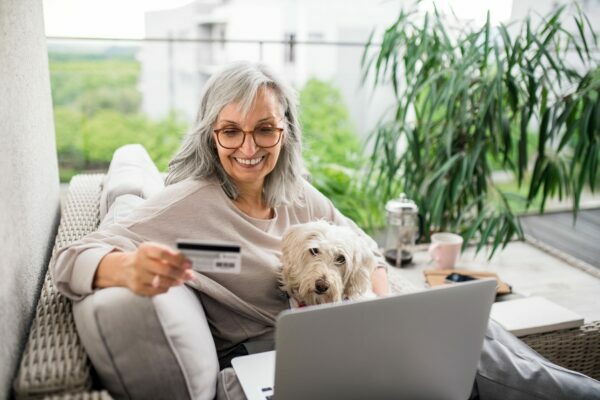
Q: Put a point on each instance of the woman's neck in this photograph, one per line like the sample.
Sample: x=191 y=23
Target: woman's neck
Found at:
x=252 y=203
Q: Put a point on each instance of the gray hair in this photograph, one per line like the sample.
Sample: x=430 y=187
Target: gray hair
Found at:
x=198 y=158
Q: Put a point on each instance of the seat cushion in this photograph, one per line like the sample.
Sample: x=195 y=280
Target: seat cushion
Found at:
x=149 y=347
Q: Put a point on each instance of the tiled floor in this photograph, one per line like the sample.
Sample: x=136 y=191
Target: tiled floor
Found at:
x=530 y=271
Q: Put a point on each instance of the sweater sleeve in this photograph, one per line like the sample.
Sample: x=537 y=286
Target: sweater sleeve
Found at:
x=73 y=267
x=320 y=207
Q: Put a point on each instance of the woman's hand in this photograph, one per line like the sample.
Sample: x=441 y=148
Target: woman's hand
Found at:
x=379 y=282
x=150 y=270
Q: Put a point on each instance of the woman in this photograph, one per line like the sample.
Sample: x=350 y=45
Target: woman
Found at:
x=237 y=178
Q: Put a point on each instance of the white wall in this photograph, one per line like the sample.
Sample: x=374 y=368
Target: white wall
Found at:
x=29 y=194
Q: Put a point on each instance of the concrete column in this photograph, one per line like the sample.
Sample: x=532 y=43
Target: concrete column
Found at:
x=29 y=183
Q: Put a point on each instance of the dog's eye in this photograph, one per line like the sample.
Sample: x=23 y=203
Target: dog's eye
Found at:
x=340 y=259
x=314 y=251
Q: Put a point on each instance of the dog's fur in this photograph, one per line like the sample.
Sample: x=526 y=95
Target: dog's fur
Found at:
x=324 y=263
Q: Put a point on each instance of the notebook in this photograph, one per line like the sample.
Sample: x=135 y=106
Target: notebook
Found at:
x=533 y=315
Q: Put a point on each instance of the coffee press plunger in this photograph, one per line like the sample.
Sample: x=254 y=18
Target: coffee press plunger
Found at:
x=402 y=230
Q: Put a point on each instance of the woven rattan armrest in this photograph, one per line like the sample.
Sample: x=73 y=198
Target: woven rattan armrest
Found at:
x=577 y=349
x=54 y=361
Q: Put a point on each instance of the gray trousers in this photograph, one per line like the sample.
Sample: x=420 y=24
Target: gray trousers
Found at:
x=161 y=348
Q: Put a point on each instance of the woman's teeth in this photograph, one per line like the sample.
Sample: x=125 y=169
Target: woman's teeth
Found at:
x=249 y=161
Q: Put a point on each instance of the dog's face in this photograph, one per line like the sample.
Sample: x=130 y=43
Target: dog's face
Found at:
x=324 y=263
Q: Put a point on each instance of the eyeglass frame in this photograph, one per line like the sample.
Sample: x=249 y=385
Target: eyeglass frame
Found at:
x=251 y=133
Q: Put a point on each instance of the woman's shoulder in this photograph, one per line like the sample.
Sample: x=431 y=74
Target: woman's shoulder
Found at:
x=311 y=194
x=188 y=186
x=182 y=189
x=314 y=203
x=169 y=198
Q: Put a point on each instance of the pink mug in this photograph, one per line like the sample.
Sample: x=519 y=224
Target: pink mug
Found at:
x=445 y=249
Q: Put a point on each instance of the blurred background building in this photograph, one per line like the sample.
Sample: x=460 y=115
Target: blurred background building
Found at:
x=298 y=38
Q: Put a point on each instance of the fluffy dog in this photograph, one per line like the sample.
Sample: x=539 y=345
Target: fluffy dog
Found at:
x=324 y=263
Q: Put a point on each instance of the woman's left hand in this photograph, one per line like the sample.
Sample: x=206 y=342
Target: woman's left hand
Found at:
x=379 y=281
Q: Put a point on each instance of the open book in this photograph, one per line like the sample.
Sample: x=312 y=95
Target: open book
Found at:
x=533 y=315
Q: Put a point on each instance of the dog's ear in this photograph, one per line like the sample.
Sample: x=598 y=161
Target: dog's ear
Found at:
x=364 y=263
x=299 y=235
x=292 y=238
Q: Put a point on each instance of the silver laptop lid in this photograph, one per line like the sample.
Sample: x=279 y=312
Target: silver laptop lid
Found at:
x=424 y=345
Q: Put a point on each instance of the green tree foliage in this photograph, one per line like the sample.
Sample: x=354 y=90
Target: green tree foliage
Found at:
x=69 y=140
x=107 y=130
x=74 y=79
x=333 y=154
x=328 y=131
x=96 y=110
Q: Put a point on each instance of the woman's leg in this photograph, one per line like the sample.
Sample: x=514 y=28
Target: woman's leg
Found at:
x=149 y=347
x=509 y=369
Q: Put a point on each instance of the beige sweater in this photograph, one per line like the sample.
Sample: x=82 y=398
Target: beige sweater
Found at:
x=238 y=307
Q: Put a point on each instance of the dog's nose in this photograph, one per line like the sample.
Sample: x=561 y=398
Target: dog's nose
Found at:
x=321 y=286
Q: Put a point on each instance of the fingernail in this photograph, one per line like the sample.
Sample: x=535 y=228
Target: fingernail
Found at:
x=187 y=265
x=156 y=281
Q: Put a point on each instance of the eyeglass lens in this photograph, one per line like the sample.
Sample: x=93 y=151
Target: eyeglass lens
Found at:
x=264 y=136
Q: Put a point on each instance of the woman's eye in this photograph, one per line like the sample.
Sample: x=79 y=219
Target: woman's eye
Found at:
x=231 y=132
x=340 y=259
x=265 y=130
x=314 y=251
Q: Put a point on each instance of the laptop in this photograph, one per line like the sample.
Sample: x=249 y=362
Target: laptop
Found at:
x=423 y=345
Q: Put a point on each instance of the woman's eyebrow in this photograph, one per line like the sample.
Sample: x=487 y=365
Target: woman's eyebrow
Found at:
x=229 y=122
x=266 y=119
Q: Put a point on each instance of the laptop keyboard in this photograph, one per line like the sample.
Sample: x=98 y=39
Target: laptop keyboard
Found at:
x=268 y=392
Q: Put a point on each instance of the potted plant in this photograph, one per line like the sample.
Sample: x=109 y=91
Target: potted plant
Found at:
x=471 y=101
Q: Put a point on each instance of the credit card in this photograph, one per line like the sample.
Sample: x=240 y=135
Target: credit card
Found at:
x=212 y=257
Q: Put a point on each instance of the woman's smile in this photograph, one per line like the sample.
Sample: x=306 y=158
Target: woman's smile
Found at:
x=249 y=162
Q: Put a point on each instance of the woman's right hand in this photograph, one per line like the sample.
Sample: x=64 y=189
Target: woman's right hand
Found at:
x=151 y=269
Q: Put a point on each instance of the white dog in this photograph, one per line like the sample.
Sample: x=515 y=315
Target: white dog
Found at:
x=324 y=263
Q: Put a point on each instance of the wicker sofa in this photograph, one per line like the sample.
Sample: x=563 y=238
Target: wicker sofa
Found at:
x=55 y=365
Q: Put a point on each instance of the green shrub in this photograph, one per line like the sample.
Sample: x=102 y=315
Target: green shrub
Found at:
x=333 y=154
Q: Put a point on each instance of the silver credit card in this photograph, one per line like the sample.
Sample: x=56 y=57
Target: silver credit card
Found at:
x=212 y=257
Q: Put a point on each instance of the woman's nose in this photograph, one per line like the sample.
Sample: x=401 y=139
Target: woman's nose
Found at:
x=248 y=147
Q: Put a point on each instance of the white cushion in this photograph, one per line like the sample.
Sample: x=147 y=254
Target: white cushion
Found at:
x=131 y=171
x=120 y=209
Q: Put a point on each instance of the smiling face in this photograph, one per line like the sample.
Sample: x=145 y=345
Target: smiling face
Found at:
x=250 y=164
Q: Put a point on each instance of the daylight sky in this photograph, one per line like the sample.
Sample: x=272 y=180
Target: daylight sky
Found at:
x=125 y=18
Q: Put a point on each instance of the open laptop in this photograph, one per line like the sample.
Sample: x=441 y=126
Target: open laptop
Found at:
x=423 y=345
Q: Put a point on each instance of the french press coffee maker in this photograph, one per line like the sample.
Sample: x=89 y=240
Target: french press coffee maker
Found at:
x=403 y=230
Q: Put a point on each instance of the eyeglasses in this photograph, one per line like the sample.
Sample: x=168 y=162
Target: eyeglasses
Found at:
x=264 y=136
